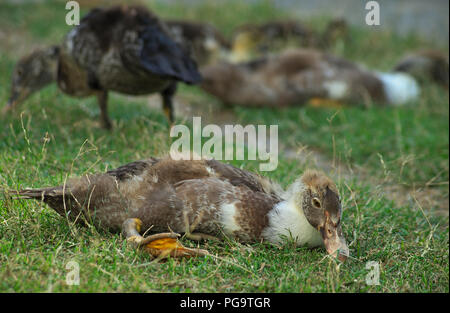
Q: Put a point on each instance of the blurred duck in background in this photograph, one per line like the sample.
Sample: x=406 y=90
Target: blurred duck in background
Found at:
x=126 y=49
x=336 y=34
x=251 y=41
x=426 y=66
x=206 y=44
x=296 y=77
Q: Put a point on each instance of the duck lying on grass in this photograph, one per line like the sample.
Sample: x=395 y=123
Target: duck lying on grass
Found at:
x=203 y=199
x=126 y=49
x=298 y=76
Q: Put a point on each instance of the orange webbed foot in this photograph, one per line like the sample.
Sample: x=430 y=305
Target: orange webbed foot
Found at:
x=167 y=244
x=159 y=245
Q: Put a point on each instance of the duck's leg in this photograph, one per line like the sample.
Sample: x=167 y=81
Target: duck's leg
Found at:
x=200 y=236
x=158 y=245
x=102 y=98
x=167 y=95
x=189 y=229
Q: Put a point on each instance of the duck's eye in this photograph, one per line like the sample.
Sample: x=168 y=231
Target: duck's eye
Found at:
x=316 y=203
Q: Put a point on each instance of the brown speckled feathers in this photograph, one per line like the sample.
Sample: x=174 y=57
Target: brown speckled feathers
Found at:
x=168 y=195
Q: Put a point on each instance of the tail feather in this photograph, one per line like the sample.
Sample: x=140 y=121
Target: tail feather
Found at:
x=58 y=198
x=399 y=87
x=38 y=193
x=161 y=55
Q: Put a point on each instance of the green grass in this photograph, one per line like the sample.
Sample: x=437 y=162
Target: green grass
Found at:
x=54 y=136
x=410 y=143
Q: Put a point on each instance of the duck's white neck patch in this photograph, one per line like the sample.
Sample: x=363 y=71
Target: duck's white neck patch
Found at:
x=399 y=87
x=286 y=219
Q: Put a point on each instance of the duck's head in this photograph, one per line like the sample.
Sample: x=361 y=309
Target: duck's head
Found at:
x=246 y=43
x=32 y=73
x=318 y=198
x=336 y=30
x=426 y=65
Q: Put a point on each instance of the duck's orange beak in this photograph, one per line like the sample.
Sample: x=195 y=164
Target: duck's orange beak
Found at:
x=334 y=240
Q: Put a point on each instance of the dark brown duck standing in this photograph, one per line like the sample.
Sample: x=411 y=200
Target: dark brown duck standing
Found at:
x=126 y=49
x=202 y=199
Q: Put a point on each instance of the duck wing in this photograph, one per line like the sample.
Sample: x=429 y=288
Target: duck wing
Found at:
x=146 y=45
x=132 y=169
x=173 y=172
x=241 y=177
x=159 y=54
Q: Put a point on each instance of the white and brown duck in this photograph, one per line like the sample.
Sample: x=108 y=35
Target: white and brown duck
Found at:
x=126 y=49
x=202 y=199
x=298 y=76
